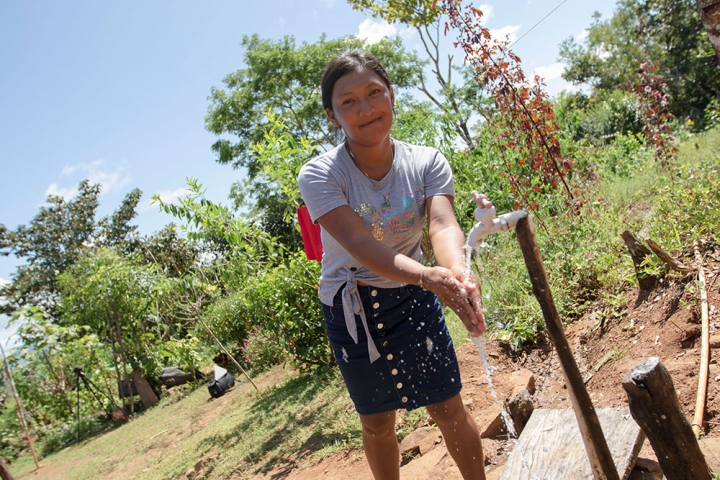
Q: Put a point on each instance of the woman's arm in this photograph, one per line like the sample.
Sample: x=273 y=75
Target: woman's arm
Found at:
x=447 y=240
x=348 y=229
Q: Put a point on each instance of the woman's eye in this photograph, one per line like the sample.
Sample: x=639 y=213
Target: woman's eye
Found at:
x=375 y=91
x=347 y=102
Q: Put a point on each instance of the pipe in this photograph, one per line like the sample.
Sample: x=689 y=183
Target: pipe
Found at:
x=487 y=223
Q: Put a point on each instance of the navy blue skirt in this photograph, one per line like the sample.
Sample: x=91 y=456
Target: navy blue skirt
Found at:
x=417 y=365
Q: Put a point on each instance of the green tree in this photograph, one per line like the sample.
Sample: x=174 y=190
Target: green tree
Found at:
x=114 y=296
x=667 y=32
x=458 y=101
x=282 y=77
x=53 y=241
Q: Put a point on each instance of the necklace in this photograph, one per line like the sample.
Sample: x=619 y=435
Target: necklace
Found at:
x=352 y=155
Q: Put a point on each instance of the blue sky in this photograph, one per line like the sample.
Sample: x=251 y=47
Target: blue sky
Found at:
x=116 y=91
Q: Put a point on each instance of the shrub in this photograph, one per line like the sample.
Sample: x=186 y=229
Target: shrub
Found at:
x=263 y=349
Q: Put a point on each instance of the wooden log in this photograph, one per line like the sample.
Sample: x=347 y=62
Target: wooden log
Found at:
x=669 y=261
x=638 y=252
x=704 y=348
x=655 y=407
x=596 y=446
x=5 y=471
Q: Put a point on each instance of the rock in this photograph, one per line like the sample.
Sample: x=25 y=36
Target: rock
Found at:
x=522 y=379
x=118 y=415
x=419 y=442
x=715 y=341
x=437 y=464
x=520 y=407
x=490 y=422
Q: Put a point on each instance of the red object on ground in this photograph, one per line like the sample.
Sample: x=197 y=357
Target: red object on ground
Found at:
x=310 y=234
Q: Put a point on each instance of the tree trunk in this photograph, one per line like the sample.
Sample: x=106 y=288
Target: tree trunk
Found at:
x=123 y=356
x=5 y=471
x=655 y=407
x=638 y=252
x=710 y=14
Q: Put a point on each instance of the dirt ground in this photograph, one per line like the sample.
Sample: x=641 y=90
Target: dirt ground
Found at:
x=607 y=342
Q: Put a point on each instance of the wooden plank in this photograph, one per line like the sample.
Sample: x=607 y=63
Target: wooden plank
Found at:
x=551 y=446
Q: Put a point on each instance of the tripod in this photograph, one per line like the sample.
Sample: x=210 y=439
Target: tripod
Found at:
x=89 y=385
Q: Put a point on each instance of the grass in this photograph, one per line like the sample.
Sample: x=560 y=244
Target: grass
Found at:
x=242 y=433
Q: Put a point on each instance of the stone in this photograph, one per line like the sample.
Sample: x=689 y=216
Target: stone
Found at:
x=420 y=442
x=520 y=407
x=489 y=421
x=522 y=379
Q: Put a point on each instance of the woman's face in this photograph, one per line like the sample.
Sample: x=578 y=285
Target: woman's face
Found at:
x=362 y=105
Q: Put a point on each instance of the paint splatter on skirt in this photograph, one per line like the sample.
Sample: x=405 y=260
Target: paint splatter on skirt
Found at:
x=417 y=365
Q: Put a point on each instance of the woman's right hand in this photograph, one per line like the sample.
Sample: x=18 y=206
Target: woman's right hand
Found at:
x=461 y=295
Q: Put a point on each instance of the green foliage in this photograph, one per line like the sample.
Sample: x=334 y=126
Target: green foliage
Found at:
x=263 y=349
x=54 y=239
x=232 y=248
x=410 y=12
x=113 y=296
x=283 y=77
x=668 y=32
x=599 y=118
x=284 y=299
x=688 y=206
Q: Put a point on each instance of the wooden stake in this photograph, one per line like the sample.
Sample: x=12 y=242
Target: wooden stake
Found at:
x=669 y=261
x=226 y=352
x=20 y=408
x=601 y=460
x=655 y=407
x=704 y=348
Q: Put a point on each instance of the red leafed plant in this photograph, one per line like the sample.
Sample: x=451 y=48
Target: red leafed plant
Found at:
x=525 y=121
x=650 y=90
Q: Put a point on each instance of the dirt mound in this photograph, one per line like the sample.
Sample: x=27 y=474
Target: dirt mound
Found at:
x=607 y=343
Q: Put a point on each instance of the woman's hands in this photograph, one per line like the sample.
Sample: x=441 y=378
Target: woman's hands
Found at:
x=458 y=289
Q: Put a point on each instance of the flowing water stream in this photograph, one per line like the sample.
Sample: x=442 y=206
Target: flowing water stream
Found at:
x=489 y=369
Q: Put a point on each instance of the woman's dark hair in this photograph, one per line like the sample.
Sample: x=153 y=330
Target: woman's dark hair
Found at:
x=345 y=62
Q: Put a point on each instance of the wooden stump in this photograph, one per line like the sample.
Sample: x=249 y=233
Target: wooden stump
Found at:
x=638 y=252
x=655 y=407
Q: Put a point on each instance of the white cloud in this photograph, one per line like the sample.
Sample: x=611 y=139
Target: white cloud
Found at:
x=66 y=193
x=373 y=32
x=550 y=72
x=580 y=37
x=97 y=172
x=169 y=196
x=282 y=21
x=487 y=11
x=501 y=33
x=3 y=281
x=328 y=3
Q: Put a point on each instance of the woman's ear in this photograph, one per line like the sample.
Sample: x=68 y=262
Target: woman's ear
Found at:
x=331 y=117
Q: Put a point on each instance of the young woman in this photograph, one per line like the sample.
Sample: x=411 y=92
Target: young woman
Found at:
x=371 y=196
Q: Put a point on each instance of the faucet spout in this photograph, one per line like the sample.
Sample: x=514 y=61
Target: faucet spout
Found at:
x=487 y=223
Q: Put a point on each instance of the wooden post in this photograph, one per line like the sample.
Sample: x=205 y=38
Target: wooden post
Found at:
x=601 y=461
x=5 y=471
x=655 y=407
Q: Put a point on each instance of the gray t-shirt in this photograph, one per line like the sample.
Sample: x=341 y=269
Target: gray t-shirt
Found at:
x=393 y=208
